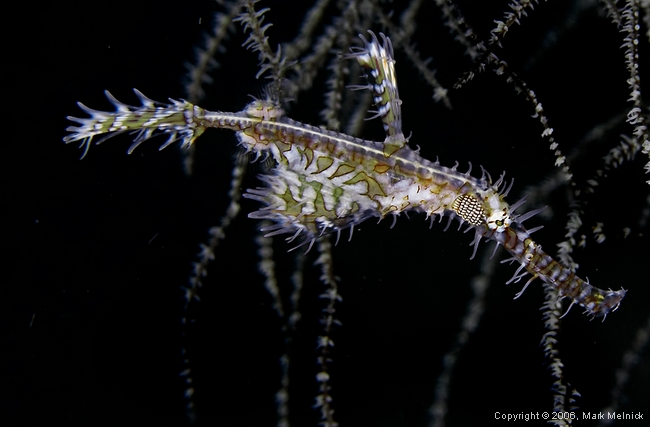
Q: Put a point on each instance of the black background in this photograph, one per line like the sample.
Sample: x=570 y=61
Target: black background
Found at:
x=96 y=250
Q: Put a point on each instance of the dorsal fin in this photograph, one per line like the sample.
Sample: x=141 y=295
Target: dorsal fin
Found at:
x=378 y=58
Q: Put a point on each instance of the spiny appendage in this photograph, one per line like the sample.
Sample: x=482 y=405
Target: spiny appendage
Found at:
x=378 y=58
x=302 y=225
x=180 y=120
x=308 y=194
x=596 y=302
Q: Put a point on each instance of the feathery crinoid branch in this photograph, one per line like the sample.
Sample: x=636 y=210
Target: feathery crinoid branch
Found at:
x=205 y=62
x=271 y=62
x=317 y=182
x=637 y=117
